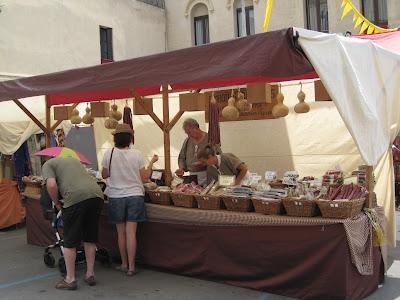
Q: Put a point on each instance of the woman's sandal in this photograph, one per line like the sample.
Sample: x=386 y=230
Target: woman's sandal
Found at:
x=121 y=269
x=131 y=273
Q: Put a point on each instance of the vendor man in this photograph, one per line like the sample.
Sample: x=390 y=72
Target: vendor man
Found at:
x=222 y=164
x=196 y=141
x=83 y=201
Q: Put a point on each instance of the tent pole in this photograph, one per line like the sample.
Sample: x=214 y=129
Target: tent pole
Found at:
x=30 y=115
x=139 y=100
x=175 y=120
x=370 y=185
x=48 y=123
x=167 y=141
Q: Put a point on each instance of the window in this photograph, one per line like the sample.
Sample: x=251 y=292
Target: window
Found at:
x=249 y=17
x=106 y=47
x=375 y=11
x=317 y=15
x=201 y=32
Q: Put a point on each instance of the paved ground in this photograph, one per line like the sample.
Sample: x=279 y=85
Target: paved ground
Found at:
x=24 y=276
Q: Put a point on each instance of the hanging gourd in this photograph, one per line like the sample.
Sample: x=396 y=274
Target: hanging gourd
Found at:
x=301 y=107
x=280 y=110
x=110 y=123
x=114 y=113
x=87 y=118
x=75 y=118
x=242 y=104
x=230 y=112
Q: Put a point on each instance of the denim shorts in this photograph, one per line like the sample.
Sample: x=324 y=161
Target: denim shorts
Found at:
x=126 y=209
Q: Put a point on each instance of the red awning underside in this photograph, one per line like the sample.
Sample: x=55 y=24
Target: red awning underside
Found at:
x=266 y=57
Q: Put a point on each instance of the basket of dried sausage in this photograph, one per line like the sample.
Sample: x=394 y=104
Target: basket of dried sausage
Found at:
x=345 y=201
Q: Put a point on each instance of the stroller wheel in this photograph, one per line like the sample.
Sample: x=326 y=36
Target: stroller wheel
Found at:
x=61 y=266
x=49 y=260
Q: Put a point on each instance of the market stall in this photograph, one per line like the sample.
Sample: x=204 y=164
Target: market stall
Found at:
x=271 y=57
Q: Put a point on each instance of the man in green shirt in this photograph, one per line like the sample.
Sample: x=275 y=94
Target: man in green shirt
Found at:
x=222 y=164
x=83 y=201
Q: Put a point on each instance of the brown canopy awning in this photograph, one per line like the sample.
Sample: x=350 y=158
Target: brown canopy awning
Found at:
x=265 y=57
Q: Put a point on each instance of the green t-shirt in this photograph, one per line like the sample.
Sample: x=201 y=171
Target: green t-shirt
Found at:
x=74 y=182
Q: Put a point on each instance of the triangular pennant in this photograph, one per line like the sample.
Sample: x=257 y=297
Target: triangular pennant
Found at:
x=371 y=29
x=346 y=10
x=364 y=26
x=355 y=16
x=343 y=3
x=359 y=21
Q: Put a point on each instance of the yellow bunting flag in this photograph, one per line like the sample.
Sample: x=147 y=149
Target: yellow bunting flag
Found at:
x=359 y=19
x=268 y=10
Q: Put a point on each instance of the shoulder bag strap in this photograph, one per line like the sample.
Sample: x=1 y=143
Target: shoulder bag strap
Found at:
x=109 y=165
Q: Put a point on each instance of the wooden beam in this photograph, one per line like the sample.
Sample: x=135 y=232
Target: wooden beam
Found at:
x=139 y=100
x=48 y=124
x=174 y=120
x=370 y=185
x=54 y=127
x=167 y=141
x=30 y=115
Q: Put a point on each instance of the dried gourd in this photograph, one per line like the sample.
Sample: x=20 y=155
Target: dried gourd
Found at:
x=75 y=118
x=301 y=107
x=114 y=113
x=280 y=110
x=110 y=123
x=230 y=112
x=87 y=118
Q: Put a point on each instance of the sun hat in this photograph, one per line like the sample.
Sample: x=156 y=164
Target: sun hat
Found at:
x=123 y=128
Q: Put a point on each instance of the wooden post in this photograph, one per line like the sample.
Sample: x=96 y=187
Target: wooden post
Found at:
x=167 y=141
x=370 y=185
x=30 y=115
x=48 y=123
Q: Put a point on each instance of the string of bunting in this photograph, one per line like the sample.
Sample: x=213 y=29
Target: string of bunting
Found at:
x=359 y=19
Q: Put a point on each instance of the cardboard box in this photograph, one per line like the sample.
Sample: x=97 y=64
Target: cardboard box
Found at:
x=261 y=92
x=62 y=113
x=321 y=93
x=100 y=109
x=192 y=102
x=139 y=110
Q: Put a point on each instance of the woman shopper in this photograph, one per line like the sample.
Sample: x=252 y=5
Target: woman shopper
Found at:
x=126 y=171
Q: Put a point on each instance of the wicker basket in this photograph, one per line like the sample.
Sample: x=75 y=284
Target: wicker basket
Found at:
x=300 y=207
x=268 y=207
x=209 y=202
x=184 y=200
x=162 y=198
x=238 y=203
x=277 y=185
x=340 y=209
x=33 y=188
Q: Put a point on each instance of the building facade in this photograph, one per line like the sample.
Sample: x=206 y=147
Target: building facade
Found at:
x=43 y=36
x=195 y=22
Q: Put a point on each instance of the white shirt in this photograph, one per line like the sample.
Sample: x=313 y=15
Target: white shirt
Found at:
x=124 y=180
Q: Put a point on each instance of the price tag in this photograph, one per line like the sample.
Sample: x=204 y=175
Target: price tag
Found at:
x=156 y=175
x=226 y=180
x=270 y=175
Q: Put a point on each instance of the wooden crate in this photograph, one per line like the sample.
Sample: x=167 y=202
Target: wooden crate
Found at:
x=321 y=93
x=192 y=102
x=100 y=109
x=261 y=93
x=139 y=110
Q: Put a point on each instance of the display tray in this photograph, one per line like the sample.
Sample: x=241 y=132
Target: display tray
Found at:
x=209 y=202
x=340 y=209
x=159 y=197
x=268 y=207
x=241 y=204
x=300 y=207
x=184 y=200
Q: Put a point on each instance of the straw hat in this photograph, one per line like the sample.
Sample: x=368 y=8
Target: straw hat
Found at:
x=123 y=128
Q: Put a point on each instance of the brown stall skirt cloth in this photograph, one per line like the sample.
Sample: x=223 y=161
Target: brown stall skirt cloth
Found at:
x=304 y=262
x=11 y=210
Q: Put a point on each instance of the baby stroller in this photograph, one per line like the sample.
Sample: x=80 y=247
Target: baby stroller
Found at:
x=54 y=215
